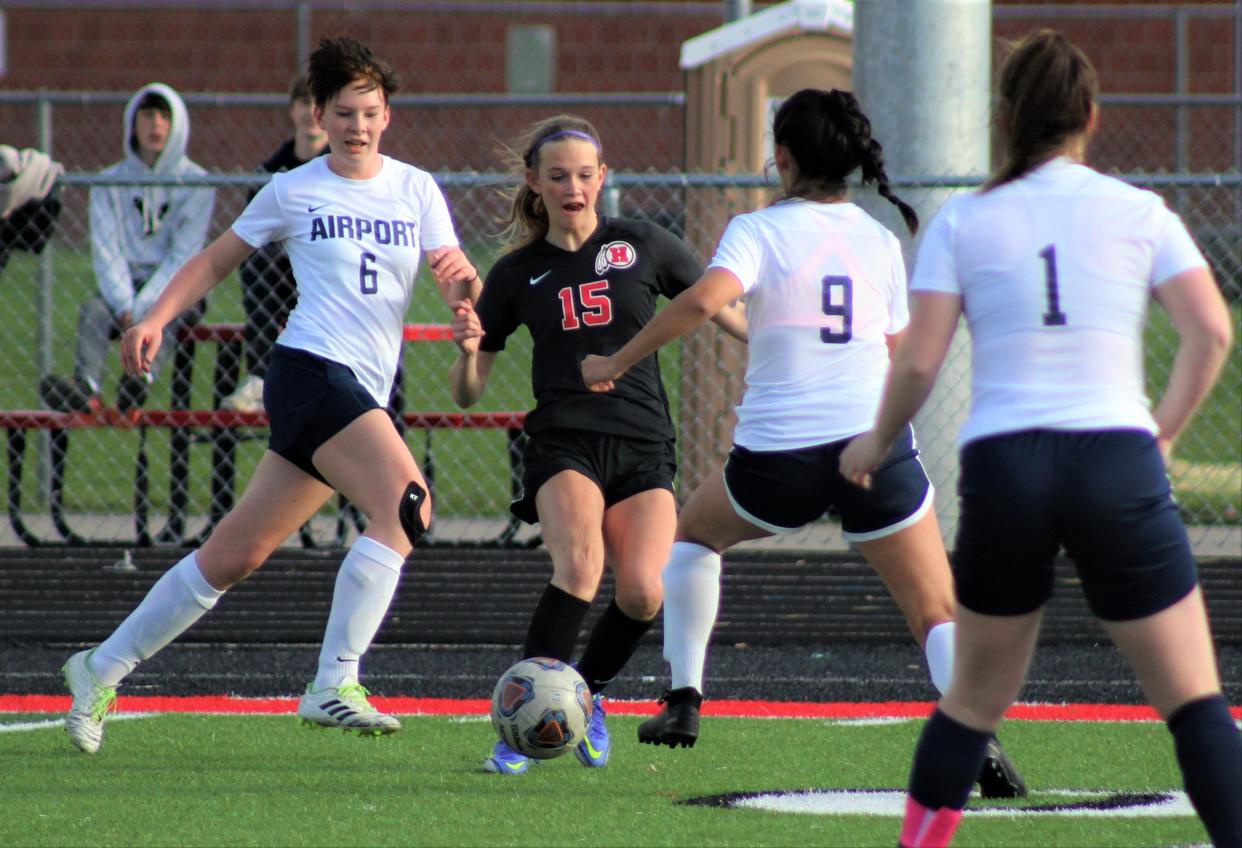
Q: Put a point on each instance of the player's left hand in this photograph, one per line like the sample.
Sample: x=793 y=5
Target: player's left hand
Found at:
x=861 y=457
x=600 y=373
x=450 y=265
x=467 y=329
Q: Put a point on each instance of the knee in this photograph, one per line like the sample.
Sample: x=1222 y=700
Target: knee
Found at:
x=641 y=600
x=579 y=574
x=225 y=572
x=399 y=521
x=414 y=512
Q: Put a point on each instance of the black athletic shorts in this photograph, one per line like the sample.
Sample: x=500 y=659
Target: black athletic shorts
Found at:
x=1102 y=495
x=309 y=400
x=782 y=491
x=621 y=466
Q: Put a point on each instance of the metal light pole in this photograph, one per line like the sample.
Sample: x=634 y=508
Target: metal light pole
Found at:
x=922 y=72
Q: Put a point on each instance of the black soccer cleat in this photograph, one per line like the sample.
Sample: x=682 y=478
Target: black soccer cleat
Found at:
x=676 y=724
x=61 y=395
x=999 y=778
x=131 y=392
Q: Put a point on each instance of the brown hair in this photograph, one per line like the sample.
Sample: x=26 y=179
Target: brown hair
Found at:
x=299 y=88
x=341 y=61
x=527 y=220
x=1047 y=90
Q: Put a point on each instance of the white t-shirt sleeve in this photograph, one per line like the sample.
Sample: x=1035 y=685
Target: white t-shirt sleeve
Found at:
x=262 y=221
x=935 y=269
x=1175 y=251
x=437 y=224
x=740 y=253
x=898 y=304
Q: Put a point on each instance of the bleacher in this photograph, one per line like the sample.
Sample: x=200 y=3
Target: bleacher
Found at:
x=222 y=430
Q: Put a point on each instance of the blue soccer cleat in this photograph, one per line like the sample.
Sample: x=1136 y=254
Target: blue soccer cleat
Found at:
x=505 y=760
x=593 y=751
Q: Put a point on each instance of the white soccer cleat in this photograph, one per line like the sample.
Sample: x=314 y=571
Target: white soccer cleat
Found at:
x=345 y=707
x=247 y=398
x=91 y=702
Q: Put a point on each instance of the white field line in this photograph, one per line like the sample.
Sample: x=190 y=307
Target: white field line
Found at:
x=892 y=804
x=20 y=726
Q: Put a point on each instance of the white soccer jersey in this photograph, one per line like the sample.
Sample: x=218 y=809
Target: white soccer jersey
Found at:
x=824 y=283
x=1055 y=271
x=354 y=246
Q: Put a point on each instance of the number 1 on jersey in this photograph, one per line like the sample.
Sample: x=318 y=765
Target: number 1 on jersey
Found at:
x=1054 y=317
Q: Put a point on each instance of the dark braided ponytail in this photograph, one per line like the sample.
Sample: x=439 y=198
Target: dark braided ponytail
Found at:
x=829 y=138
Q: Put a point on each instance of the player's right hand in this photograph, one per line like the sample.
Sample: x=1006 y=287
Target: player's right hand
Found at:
x=139 y=345
x=467 y=329
x=861 y=457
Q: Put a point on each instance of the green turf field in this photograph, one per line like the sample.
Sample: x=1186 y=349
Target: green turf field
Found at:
x=199 y=780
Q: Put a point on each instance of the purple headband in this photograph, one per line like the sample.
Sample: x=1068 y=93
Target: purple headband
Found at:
x=530 y=157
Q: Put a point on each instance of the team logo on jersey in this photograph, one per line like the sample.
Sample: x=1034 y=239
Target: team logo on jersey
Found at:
x=615 y=254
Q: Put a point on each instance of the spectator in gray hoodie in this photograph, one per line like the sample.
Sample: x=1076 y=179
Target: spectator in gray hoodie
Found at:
x=140 y=236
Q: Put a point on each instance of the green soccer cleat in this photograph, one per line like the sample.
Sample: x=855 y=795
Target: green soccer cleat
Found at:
x=91 y=702
x=345 y=707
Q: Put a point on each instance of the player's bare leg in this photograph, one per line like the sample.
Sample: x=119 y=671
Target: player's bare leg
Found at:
x=708 y=525
x=638 y=533
x=571 y=515
x=278 y=499
x=369 y=463
x=913 y=565
x=1172 y=654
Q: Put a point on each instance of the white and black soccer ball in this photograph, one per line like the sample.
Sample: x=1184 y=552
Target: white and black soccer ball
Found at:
x=541 y=708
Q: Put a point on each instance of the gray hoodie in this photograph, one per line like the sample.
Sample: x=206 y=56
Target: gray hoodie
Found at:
x=141 y=235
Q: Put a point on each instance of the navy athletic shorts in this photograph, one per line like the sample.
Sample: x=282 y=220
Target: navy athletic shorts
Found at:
x=1102 y=495
x=782 y=491
x=309 y=400
x=621 y=466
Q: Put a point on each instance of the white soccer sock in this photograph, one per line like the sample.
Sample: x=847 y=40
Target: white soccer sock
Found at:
x=938 y=648
x=364 y=588
x=177 y=600
x=691 y=600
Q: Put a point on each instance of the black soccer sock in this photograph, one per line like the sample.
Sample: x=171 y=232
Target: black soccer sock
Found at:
x=613 y=641
x=946 y=763
x=1209 y=751
x=555 y=624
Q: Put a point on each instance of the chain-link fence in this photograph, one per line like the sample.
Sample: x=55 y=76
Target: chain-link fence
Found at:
x=162 y=482
x=471 y=466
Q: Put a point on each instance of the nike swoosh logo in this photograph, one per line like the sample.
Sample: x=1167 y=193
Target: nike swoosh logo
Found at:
x=342 y=659
x=535 y=280
x=513 y=766
x=595 y=755
x=317 y=208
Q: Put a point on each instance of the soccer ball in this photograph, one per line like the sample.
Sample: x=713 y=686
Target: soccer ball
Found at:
x=541 y=708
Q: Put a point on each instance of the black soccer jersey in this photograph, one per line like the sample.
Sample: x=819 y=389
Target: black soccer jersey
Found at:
x=592 y=300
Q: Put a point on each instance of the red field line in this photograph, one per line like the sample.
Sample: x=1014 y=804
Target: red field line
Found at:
x=480 y=706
